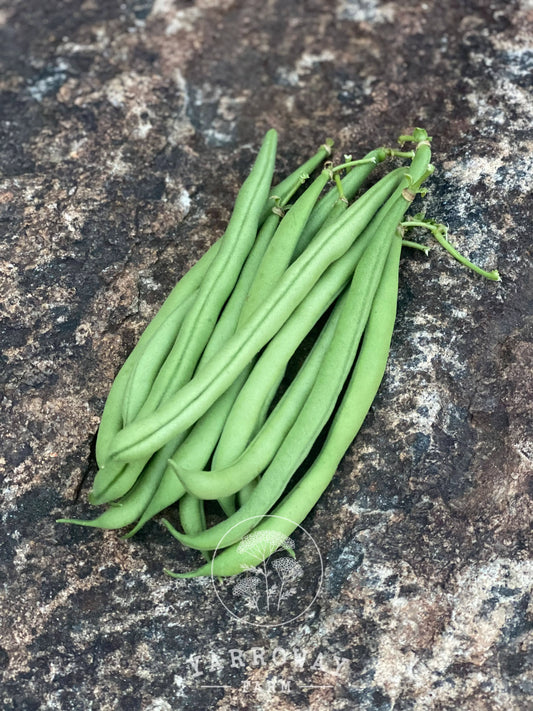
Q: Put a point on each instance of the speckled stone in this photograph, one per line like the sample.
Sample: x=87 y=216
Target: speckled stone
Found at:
x=126 y=130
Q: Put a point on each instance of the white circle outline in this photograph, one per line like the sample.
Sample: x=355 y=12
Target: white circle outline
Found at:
x=292 y=619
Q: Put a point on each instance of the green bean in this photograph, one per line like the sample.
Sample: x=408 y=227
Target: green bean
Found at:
x=147 y=434
x=145 y=478
x=111 y=421
x=284 y=187
x=279 y=252
x=337 y=363
x=151 y=359
x=114 y=481
x=364 y=383
x=337 y=211
x=266 y=405
x=192 y=514
x=228 y=504
x=202 y=439
x=260 y=452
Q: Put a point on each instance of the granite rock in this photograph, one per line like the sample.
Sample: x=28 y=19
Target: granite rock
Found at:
x=126 y=131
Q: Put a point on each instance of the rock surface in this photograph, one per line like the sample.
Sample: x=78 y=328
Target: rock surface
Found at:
x=126 y=131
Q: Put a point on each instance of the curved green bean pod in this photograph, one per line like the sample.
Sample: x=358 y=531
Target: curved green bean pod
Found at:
x=114 y=481
x=192 y=514
x=333 y=373
x=364 y=383
x=151 y=359
x=137 y=500
x=131 y=506
x=169 y=490
x=279 y=252
x=147 y=434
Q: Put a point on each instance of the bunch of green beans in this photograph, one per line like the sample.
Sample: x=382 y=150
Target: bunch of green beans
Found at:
x=275 y=339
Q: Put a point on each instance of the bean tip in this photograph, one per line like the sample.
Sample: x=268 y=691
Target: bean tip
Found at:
x=190 y=574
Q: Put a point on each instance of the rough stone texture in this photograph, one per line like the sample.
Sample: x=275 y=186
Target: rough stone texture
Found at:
x=126 y=130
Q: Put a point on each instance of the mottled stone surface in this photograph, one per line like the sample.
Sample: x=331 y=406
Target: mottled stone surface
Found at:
x=126 y=129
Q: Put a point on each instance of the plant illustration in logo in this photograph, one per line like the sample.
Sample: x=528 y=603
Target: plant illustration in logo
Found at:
x=273 y=588
x=261 y=584
x=289 y=571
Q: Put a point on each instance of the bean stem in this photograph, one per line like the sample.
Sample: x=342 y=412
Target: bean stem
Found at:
x=439 y=232
x=352 y=164
x=415 y=245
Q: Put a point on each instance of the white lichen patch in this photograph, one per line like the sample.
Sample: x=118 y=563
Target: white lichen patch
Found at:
x=177 y=20
x=309 y=60
x=304 y=65
x=366 y=11
x=49 y=81
x=184 y=202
